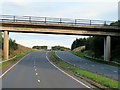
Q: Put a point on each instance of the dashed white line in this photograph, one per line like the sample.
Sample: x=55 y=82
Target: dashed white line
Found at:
x=39 y=81
x=67 y=73
x=36 y=73
x=35 y=69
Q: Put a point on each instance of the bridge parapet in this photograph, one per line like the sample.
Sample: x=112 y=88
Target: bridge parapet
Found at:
x=52 y=20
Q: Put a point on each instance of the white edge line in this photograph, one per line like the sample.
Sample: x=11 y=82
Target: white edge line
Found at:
x=58 y=56
x=67 y=73
x=13 y=66
x=62 y=59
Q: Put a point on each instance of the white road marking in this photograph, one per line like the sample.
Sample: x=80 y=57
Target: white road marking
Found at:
x=67 y=73
x=63 y=60
x=35 y=69
x=58 y=56
x=115 y=71
x=13 y=66
x=39 y=81
x=34 y=66
x=36 y=73
x=93 y=65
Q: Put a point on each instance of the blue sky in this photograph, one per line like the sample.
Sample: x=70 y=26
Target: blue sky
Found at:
x=83 y=9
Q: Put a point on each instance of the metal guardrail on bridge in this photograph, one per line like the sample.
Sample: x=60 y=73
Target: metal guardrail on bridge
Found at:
x=7 y=59
x=33 y=19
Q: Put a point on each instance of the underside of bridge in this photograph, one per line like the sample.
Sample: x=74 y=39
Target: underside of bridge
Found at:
x=106 y=31
x=107 y=46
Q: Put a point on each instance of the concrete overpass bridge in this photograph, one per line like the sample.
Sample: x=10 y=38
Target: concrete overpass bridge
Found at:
x=49 y=25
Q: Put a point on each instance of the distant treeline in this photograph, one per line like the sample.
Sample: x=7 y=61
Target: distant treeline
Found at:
x=40 y=47
x=12 y=44
x=61 y=48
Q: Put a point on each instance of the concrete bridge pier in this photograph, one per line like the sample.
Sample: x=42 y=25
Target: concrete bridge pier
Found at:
x=107 y=48
x=6 y=44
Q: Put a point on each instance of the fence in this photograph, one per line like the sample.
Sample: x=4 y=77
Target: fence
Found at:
x=51 y=20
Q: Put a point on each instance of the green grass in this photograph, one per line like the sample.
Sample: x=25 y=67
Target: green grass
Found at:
x=99 y=61
x=4 y=64
x=99 y=78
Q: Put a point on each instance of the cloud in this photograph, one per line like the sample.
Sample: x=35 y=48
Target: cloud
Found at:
x=71 y=0
x=83 y=9
x=31 y=39
x=93 y=10
x=17 y=2
x=119 y=10
x=39 y=42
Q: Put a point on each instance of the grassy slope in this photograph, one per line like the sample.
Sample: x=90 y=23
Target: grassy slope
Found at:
x=5 y=64
x=100 y=79
x=22 y=50
x=15 y=52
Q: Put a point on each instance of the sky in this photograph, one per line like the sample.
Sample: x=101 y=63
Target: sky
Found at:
x=73 y=9
x=119 y=10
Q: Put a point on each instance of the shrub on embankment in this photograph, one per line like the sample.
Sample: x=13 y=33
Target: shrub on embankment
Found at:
x=95 y=46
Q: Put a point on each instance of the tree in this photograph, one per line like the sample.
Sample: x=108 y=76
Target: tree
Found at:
x=39 y=47
x=78 y=43
x=117 y=23
x=61 y=48
x=12 y=44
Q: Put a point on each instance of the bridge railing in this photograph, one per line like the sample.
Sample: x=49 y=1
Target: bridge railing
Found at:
x=33 y=19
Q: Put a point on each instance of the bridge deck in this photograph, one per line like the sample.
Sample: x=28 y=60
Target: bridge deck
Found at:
x=59 y=28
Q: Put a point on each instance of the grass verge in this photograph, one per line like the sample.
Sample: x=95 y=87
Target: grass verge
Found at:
x=99 y=61
x=4 y=64
x=101 y=80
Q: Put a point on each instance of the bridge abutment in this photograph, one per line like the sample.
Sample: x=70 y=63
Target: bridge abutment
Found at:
x=107 y=48
x=6 y=44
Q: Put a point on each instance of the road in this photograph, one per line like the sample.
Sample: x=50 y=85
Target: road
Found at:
x=107 y=70
x=36 y=71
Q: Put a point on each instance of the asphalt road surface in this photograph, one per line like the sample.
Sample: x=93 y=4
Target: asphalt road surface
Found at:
x=36 y=71
x=107 y=70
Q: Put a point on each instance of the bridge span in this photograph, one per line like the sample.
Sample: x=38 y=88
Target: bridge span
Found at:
x=58 y=26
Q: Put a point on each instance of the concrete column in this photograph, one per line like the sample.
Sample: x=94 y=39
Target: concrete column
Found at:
x=6 y=45
x=107 y=48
